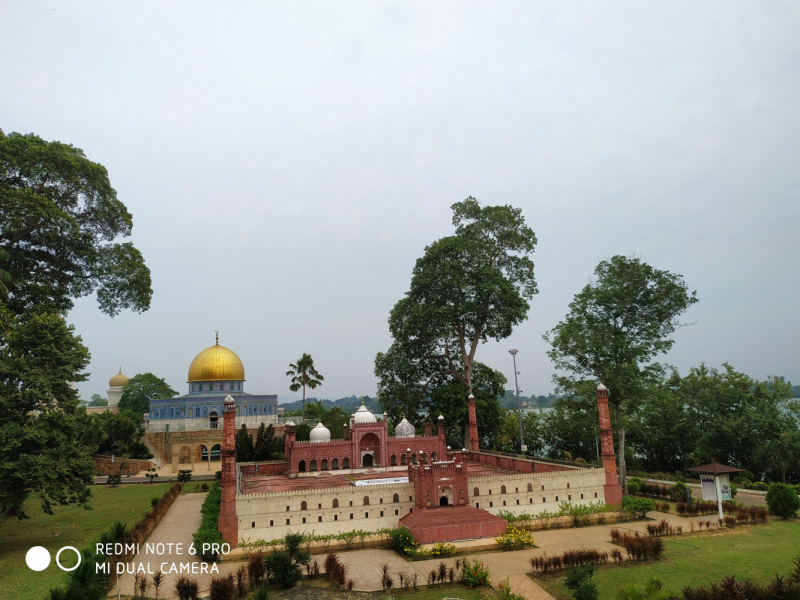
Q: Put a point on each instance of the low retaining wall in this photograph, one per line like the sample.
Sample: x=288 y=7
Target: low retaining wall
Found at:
x=121 y=466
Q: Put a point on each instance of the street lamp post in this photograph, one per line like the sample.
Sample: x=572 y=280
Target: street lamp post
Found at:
x=523 y=447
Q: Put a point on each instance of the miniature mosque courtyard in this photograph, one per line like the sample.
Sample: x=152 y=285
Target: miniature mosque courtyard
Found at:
x=368 y=480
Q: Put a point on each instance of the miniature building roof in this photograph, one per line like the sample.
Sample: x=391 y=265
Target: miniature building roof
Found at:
x=715 y=468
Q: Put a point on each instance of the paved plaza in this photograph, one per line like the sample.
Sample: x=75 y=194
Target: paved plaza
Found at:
x=183 y=519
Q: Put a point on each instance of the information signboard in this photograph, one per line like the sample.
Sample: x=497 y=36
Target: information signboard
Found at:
x=725 y=486
x=709 y=489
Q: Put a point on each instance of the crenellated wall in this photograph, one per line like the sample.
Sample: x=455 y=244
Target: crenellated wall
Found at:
x=275 y=514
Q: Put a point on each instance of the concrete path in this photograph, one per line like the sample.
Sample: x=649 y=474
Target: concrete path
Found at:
x=363 y=566
x=177 y=526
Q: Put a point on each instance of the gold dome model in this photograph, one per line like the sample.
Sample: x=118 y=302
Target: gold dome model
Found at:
x=118 y=380
x=216 y=363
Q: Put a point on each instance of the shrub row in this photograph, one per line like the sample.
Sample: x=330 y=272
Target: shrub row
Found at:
x=637 y=546
x=574 y=558
x=348 y=537
x=208 y=533
x=663 y=528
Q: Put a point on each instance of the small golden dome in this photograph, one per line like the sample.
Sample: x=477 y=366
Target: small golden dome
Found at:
x=118 y=380
x=216 y=363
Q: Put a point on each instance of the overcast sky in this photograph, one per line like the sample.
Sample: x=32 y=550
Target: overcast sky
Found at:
x=287 y=162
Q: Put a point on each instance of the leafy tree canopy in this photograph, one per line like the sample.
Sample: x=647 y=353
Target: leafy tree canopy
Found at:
x=142 y=388
x=466 y=289
x=98 y=400
x=122 y=435
x=615 y=327
x=42 y=447
x=59 y=216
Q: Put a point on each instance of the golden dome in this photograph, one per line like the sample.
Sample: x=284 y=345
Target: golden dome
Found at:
x=216 y=363
x=118 y=380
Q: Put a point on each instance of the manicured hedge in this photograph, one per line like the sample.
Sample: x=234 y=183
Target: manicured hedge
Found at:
x=209 y=526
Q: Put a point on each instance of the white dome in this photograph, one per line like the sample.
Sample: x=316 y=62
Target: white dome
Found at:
x=404 y=429
x=362 y=415
x=320 y=433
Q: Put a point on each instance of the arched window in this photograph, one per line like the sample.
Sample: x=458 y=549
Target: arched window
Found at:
x=346 y=463
x=530 y=487
x=394 y=460
x=304 y=505
x=216 y=449
x=433 y=457
x=396 y=498
x=476 y=492
x=301 y=466
x=335 y=503
x=324 y=464
x=413 y=459
x=335 y=463
x=366 y=500
x=502 y=489
x=402 y=459
x=313 y=465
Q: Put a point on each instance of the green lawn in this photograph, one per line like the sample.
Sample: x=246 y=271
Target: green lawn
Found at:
x=69 y=526
x=757 y=552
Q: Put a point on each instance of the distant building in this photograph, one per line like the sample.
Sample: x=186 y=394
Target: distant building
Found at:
x=214 y=374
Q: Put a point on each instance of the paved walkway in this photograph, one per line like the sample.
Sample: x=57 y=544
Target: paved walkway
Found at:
x=177 y=526
x=363 y=566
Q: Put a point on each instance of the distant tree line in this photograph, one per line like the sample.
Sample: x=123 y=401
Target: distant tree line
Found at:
x=708 y=415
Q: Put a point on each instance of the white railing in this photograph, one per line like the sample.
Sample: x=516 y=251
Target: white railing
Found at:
x=205 y=424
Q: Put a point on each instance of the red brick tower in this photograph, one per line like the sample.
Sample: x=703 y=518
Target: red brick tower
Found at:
x=473 y=424
x=613 y=490
x=228 y=522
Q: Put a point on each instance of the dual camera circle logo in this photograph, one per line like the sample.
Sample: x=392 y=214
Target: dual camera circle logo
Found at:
x=38 y=558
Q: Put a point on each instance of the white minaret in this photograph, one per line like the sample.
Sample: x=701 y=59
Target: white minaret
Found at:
x=115 y=385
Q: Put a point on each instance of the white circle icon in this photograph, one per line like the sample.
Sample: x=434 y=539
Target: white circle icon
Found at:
x=58 y=555
x=38 y=558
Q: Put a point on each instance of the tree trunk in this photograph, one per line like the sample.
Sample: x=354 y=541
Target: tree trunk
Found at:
x=620 y=431
x=621 y=451
x=304 y=403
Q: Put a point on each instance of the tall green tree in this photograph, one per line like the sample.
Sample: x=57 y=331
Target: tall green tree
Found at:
x=572 y=427
x=335 y=420
x=466 y=289
x=447 y=398
x=615 y=327
x=245 y=450
x=122 y=435
x=140 y=390
x=59 y=217
x=42 y=451
x=267 y=445
x=304 y=375
x=5 y=276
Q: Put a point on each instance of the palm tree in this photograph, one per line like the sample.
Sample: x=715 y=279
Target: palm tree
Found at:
x=304 y=375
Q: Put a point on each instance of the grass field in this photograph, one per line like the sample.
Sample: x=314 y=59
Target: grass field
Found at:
x=69 y=526
x=756 y=552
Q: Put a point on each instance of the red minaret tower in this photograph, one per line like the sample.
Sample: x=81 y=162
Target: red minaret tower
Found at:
x=613 y=490
x=228 y=521
x=473 y=424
